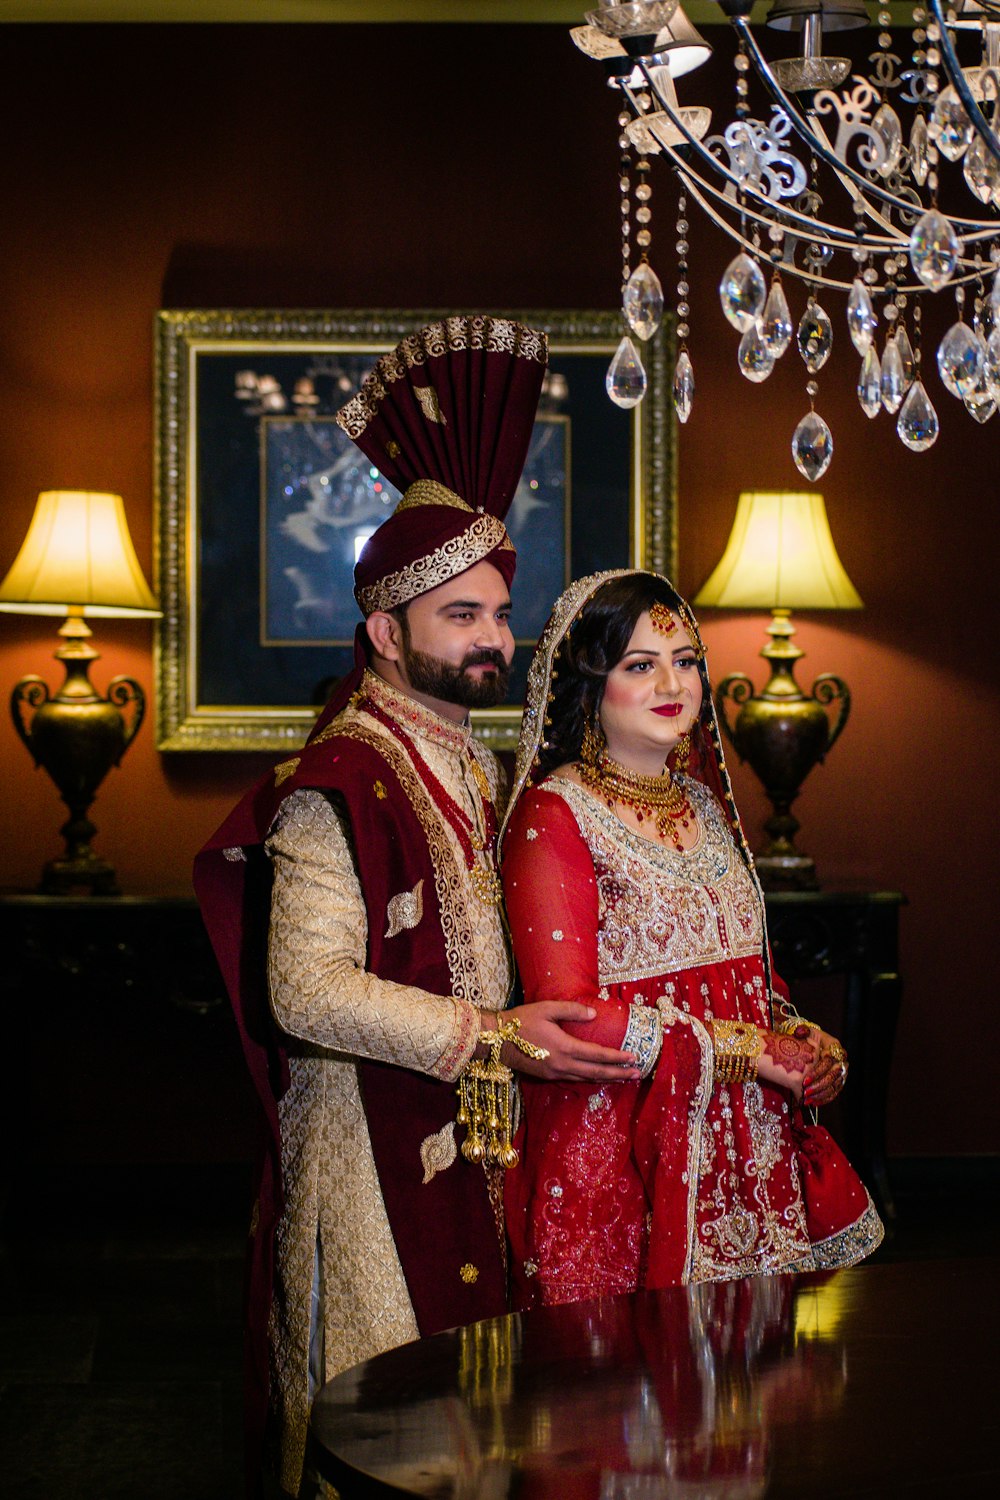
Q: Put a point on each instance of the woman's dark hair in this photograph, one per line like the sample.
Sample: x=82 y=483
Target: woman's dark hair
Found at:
x=596 y=643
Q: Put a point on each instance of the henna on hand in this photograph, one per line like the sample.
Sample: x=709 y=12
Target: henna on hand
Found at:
x=792 y=1053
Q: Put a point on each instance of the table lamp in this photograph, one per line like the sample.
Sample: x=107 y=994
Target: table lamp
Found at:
x=77 y=560
x=780 y=556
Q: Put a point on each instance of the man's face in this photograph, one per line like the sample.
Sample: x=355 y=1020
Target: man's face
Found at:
x=456 y=640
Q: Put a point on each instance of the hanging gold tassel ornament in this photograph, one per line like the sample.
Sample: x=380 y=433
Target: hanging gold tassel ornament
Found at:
x=486 y=1093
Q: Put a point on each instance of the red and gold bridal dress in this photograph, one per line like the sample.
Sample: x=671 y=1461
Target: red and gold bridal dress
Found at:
x=671 y=1178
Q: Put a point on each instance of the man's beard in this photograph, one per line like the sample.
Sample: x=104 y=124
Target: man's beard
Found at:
x=449 y=684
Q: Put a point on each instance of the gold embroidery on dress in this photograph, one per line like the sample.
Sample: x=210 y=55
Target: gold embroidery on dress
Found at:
x=438 y=1151
x=662 y=910
x=234 y=855
x=405 y=910
x=380 y=791
x=469 y=1273
x=429 y=404
x=483 y=536
x=285 y=769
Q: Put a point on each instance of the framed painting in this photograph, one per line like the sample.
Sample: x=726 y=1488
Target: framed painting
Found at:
x=263 y=504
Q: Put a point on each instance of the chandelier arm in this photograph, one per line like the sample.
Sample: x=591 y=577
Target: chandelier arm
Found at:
x=959 y=82
x=821 y=149
x=832 y=235
x=694 y=184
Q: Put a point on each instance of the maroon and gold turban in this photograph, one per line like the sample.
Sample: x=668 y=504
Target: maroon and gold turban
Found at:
x=447 y=418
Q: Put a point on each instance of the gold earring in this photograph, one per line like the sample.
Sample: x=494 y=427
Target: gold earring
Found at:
x=593 y=742
x=682 y=755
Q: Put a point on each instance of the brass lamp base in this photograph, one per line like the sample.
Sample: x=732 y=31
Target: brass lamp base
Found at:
x=782 y=733
x=77 y=737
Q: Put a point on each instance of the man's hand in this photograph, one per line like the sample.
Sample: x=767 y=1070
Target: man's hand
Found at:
x=570 y=1060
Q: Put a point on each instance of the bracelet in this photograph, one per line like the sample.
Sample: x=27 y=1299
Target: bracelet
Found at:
x=486 y=1096
x=738 y=1045
x=790 y=1025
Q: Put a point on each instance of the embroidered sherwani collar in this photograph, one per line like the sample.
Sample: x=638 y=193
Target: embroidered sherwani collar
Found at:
x=414 y=717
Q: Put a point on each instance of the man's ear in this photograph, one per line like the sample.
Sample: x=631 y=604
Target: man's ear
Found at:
x=385 y=635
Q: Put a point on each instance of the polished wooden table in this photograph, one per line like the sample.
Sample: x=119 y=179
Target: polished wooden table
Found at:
x=879 y=1381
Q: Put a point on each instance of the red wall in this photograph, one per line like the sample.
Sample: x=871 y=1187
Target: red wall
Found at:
x=475 y=167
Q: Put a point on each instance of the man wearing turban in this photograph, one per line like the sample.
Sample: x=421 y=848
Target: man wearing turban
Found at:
x=361 y=999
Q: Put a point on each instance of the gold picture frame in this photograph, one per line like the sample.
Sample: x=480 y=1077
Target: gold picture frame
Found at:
x=244 y=402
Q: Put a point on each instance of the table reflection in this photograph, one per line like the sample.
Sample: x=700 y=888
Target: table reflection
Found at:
x=654 y=1397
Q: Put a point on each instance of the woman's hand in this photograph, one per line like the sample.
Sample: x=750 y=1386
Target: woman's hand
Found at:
x=787 y=1060
x=823 y=1082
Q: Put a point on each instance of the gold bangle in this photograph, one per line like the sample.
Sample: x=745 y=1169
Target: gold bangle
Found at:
x=737 y=1046
x=790 y=1025
x=486 y=1096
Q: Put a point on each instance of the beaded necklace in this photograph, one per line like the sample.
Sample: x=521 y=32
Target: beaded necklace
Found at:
x=479 y=849
x=658 y=797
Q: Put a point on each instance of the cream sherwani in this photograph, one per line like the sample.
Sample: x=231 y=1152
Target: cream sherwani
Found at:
x=334 y=1231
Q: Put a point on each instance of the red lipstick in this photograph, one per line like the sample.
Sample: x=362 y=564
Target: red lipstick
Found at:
x=669 y=710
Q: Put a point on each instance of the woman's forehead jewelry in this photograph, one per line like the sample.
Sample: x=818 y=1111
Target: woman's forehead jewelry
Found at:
x=662 y=619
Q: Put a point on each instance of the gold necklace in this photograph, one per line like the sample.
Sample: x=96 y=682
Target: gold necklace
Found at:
x=658 y=797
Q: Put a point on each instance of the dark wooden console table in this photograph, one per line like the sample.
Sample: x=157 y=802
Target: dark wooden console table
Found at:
x=852 y=935
x=119 y=997
x=121 y=1042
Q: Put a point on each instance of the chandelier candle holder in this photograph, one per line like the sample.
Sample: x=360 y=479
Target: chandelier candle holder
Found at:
x=823 y=177
x=77 y=560
x=780 y=556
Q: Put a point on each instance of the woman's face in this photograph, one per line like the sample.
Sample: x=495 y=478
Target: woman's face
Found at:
x=653 y=695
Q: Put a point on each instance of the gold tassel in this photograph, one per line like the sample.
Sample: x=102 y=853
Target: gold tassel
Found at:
x=486 y=1097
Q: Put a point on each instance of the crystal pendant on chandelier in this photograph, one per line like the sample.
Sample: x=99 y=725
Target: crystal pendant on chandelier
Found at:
x=742 y=292
x=861 y=319
x=906 y=356
x=683 y=386
x=889 y=131
x=981 y=171
x=995 y=297
x=643 y=301
x=815 y=337
x=870 y=383
x=919 y=142
x=934 y=249
x=980 y=402
x=893 y=381
x=776 y=324
x=950 y=127
x=625 y=381
x=991 y=363
x=812 y=446
x=960 y=360
x=754 y=356
x=917 y=423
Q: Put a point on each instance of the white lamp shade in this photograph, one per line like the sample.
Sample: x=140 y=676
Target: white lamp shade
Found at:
x=780 y=555
x=77 y=553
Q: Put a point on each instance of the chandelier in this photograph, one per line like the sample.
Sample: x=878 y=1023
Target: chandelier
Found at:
x=874 y=190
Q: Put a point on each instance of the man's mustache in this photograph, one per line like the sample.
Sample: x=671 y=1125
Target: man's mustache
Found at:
x=486 y=658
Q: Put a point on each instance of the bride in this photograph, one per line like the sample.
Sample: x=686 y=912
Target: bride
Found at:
x=630 y=887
